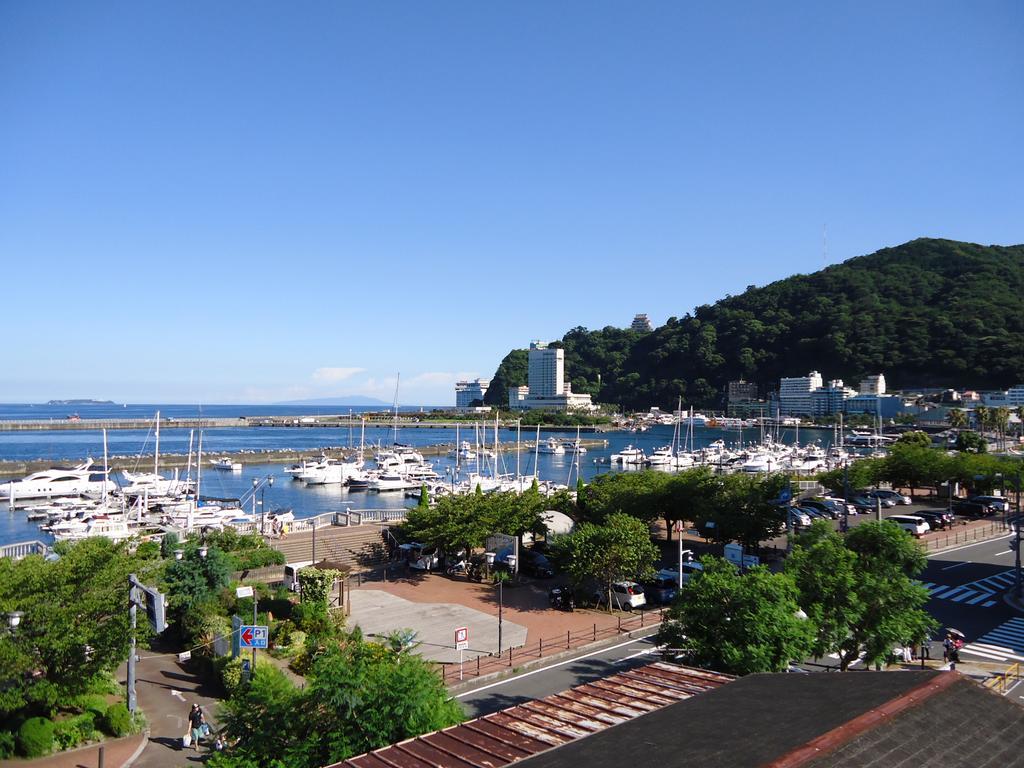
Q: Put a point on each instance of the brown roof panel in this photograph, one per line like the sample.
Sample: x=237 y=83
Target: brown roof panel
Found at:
x=513 y=734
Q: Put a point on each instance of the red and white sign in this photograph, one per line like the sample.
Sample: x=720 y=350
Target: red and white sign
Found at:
x=462 y=638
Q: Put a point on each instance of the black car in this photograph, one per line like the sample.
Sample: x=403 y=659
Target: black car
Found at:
x=863 y=504
x=832 y=510
x=972 y=509
x=998 y=503
x=937 y=519
x=535 y=564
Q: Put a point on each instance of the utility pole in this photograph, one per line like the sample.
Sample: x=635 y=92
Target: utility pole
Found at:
x=132 y=610
x=1016 y=555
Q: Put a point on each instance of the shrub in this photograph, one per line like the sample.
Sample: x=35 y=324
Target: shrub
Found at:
x=148 y=550
x=6 y=744
x=247 y=559
x=118 y=721
x=75 y=730
x=90 y=702
x=168 y=544
x=229 y=671
x=280 y=607
x=35 y=737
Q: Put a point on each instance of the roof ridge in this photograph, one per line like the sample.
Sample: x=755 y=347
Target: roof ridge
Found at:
x=848 y=731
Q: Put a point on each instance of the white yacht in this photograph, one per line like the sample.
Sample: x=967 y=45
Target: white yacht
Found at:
x=551 y=446
x=331 y=472
x=226 y=463
x=80 y=480
x=154 y=485
x=114 y=528
x=629 y=455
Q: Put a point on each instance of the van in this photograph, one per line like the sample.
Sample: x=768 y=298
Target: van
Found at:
x=914 y=525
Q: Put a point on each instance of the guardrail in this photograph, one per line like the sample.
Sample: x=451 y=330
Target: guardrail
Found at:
x=485 y=664
x=23 y=549
x=1004 y=681
x=964 y=537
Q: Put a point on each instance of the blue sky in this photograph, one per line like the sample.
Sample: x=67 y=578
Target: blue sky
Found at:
x=252 y=202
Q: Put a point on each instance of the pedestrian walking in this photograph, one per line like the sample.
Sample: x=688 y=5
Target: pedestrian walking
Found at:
x=196 y=721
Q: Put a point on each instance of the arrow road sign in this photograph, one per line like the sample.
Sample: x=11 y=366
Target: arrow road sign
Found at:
x=251 y=636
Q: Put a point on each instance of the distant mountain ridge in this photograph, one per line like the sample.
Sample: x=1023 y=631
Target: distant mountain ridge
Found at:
x=929 y=312
x=344 y=400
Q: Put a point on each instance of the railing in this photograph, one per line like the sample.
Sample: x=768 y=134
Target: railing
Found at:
x=23 y=549
x=964 y=537
x=485 y=664
x=1004 y=681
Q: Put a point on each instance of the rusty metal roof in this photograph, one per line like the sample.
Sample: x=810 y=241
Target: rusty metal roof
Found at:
x=513 y=734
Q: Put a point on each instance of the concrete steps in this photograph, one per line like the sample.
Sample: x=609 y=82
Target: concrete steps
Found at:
x=357 y=548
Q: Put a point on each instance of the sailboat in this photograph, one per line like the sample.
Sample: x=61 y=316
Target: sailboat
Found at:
x=153 y=484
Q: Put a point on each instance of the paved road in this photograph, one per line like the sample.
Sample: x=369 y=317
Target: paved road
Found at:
x=490 y=697
x=967 y=586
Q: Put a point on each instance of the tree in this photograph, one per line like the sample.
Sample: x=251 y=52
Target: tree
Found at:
x=738 y=623
x=619 y=549
x=740 y=508
x=915 y=438
x=865 y=605
x=956 y=418
x=971 y=442
x=359 y=696
x=76 y=623
x=912 y=466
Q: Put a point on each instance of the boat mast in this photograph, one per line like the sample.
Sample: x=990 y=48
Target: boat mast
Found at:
x=156 y=452
x=519 y=478
x=398 y=378
x=536 y=451
x=106 y=468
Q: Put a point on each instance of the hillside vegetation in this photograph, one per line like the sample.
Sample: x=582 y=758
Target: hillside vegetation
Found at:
x=925 y=313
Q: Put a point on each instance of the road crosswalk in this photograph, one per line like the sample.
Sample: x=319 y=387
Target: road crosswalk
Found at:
x=981 y=592
x=1004 y=643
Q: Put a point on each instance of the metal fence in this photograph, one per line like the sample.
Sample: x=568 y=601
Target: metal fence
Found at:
x=1004 y=681
x=954 y=538
x=23 y=549
x=490 y=663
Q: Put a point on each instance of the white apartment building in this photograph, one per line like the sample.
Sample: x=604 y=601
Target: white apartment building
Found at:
x=795 y=394
x=1011 y=398
x=547 y=388
x=466 y=392
x=872 y=385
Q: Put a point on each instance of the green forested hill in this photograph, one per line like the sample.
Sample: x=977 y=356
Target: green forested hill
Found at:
x=926 y=313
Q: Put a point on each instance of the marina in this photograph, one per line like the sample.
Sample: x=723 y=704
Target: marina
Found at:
x=265 y=477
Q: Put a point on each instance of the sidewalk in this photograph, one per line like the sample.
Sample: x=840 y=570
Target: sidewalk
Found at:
x=117 y=753
x=166 y=690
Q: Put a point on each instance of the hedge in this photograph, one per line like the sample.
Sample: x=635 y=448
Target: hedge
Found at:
x=35 y=737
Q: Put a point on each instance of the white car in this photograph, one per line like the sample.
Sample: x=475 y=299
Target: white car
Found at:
x=626 y=595
x=799 y=518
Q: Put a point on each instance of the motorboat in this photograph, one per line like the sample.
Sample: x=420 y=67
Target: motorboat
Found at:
x=331 y=472
x=227 y=464
x=113 y=528
x=81 y=480
x=154 y=485
x=629 y=455
x=552 y=447
x=574 y=446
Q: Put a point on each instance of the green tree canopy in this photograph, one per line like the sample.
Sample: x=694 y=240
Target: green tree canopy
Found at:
x=76 y=623
x=738 y=623
x=860 y=590
x=359 y=696
x=621 y=548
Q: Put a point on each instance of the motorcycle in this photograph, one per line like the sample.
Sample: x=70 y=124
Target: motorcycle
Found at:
x=460 y=568
x=561 y=598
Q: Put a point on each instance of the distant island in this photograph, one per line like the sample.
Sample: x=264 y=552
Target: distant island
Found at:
x=337 y=401
x=81 y=401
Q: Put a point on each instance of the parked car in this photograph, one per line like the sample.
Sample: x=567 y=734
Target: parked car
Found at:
x=998 y=503
x=626 y=595
x=850 y=509
x=830 y=508
x=863 y=505
x=972 y=508
x=871 y=495
x=535 y=564
x=937 y=519
x=812 y=513
x=663 y=588
x=885 y=494
x=799 y=518
x=912 y=524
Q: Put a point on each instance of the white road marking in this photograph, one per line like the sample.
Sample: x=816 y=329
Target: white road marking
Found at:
x=177 y=694
x=968 y=546
x=550 y=666
x=956 y=565
x=1000 y=554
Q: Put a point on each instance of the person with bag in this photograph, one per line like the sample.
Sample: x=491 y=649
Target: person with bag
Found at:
x=196 y=723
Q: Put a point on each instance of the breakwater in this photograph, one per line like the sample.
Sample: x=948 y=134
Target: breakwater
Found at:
x=291 y=422
x=254 y=457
